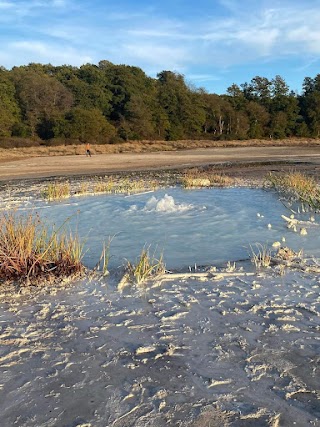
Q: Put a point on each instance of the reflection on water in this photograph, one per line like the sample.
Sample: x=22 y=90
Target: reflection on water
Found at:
x=208 y=226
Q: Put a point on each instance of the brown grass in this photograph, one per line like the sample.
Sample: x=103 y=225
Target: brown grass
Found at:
x=57 y=191
x=196 y=178
x=30 y=252
x=296 y=186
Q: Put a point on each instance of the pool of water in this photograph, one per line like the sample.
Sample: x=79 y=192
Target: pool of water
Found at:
x=202 y=227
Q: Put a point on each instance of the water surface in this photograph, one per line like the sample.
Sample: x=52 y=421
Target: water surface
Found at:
x=202 y=227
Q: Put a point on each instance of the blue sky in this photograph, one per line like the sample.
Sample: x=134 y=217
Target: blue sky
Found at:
x=214 y=43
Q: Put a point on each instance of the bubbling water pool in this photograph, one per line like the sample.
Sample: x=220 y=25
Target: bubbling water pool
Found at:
x=203 y=227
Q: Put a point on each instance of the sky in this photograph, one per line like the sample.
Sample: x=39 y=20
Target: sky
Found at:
x=213 y=43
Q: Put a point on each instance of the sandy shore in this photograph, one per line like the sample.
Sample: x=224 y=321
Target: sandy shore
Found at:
x=228 y=349
x=257 y=159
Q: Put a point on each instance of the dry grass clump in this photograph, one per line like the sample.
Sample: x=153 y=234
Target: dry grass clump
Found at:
x=98 y=185
x=102 y=186
x=221 y=180
x=84 y=188
x=57 y=191
x=110 y=185
x=195 y=178
x=146 y=267
x=296 y=186
x=128 y=186
x=261 y=255
x=29 y=252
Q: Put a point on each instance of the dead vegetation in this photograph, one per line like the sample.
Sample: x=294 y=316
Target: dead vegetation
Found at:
x=199 y=178
x=31 y=252
x=295 y=186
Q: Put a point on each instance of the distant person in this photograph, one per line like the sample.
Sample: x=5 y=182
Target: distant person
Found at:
x=88 y=152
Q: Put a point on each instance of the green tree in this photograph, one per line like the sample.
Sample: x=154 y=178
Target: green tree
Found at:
x=310 y=105
x=181 y=107
x=258 y=90
x=42 y=99
x=86 y=126
x=284 y=109
x=258 y=120
x=9 y=110
x=133 y=99
x=88 y=85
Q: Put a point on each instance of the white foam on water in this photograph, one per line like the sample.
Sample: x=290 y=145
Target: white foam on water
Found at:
x=166 y=204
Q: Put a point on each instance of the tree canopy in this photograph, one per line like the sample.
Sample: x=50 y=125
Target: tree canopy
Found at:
x=106 y=102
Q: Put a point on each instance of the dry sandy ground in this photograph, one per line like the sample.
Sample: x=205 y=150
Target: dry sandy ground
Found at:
x=55 y=166
x=228 y=349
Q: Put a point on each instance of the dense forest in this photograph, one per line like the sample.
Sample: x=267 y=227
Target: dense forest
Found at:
x=109 y=103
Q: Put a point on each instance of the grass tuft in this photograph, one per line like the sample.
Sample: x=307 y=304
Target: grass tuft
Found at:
x=195 y=178
x=102 y=186
x=57 y=191
x=29 y=251
x=296 y=187
x=121 y=185
x=260 y=256
x=146 y=267
x=103 y=262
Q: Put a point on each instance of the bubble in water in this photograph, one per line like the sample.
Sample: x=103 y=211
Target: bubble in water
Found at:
x=166 y=204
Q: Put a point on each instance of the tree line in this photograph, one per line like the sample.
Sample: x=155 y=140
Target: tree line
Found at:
x=108 y=103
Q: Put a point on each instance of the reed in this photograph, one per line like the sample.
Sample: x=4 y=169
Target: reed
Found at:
x=128 y=186
x=102 y=186
x=30 y=251
x=296 y=187
x=57 y=191
x=103 y=262
x=84 y=188
x=195 y=178
x=146 y=267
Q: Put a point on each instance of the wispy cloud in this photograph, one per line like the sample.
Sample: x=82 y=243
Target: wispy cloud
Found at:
x=5 y=5
x=46 y=53
x=203 y=78
x=162 y=36
x=173 y=57
x=303 y=35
